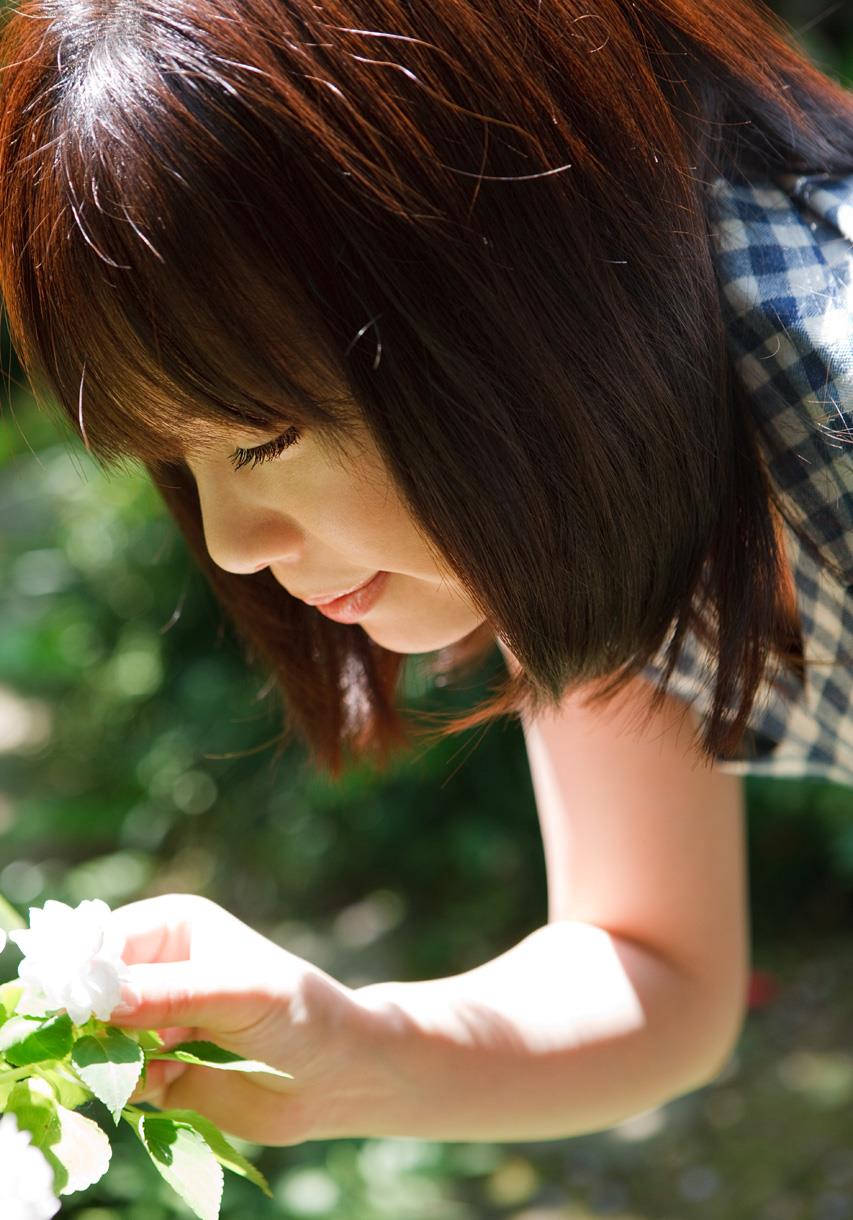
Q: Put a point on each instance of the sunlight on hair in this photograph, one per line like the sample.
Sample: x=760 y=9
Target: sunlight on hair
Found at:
x=80 y=410
x=834 y=335
x=507 y=177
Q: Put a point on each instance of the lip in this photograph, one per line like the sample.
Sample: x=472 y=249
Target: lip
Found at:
x=352 y=606
x=325 y=599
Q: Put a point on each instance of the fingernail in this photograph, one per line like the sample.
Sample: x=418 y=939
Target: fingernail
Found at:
x=130 y=1000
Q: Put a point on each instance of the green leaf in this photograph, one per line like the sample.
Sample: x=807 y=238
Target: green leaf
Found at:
x=83 y=1150
x=183 y=1157
x=35 y=1112
x=22 y=1044
x=35 y=1109
x=66 y=1086
x=220 y=1147
x=10 y=994
x=10 y=920
x=110 y=1063
x=14 y=1030
x=208 y=1054
x=148 y=1039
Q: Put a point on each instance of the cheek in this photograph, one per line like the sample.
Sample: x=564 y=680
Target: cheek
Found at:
x=363 y=529
x=354 y=506
x=390 y=539
x=376 y=517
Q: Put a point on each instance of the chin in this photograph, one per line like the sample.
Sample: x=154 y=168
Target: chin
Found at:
x=425 y=637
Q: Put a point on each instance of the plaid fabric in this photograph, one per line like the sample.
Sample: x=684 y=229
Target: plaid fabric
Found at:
x=784 y=258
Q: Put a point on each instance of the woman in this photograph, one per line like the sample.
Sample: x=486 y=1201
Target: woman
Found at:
x=446 y=313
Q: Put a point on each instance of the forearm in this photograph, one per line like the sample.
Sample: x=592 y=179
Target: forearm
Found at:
x=571 y=1031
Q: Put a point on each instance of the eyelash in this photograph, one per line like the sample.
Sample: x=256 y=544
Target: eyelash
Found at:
x=266 y=452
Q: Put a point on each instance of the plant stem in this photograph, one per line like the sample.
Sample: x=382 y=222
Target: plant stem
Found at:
x=13 y=1074
x=40 y=1070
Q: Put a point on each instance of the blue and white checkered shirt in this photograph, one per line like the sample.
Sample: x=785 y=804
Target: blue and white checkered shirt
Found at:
x=784 y=258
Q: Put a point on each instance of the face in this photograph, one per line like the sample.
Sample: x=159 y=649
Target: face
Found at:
x=325 y=519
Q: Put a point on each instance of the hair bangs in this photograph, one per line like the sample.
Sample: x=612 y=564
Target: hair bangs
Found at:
x=180 y=377
x=158 y=316
x=147 y=363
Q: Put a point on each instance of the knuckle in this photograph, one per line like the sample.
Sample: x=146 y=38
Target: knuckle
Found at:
x=178 y=902
x=181 y=901
x=168 y=1011
x=175 y=1007
x=194 y=906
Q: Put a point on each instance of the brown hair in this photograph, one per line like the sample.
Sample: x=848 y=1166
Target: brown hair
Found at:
x=482 y=224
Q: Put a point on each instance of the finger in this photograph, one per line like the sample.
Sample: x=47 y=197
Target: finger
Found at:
x=176 y=1034
x=239 y=1107
x=160 y=1075
x=156 y=929
x=165 y=994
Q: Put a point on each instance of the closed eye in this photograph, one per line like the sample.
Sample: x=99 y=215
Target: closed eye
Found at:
x=266 y=452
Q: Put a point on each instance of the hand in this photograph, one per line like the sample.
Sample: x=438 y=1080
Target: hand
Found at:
x=197 y=972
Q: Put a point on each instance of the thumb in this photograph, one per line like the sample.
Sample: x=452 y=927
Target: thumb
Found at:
x=162 y=994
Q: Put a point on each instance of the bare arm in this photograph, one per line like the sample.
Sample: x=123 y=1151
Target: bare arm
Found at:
x=635 y=990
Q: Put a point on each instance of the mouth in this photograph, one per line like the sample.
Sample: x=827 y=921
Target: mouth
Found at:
x=326 y=599
x=353 y=606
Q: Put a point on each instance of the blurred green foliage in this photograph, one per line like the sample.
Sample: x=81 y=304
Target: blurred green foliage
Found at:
x=135 y=759
x=825 y=29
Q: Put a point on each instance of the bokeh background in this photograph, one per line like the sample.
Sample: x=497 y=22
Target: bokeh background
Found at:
x=135 y=760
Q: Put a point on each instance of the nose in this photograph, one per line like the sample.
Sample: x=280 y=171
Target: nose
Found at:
x=243 y=537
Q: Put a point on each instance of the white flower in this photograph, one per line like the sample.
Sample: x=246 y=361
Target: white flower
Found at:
x=72 y=960
x=2 y=940
x=26 y=1178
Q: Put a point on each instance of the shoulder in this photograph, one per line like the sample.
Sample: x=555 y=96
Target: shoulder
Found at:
x=780 y=238
x=783 y=252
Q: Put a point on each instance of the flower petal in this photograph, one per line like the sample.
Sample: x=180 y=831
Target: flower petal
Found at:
x=26 y=1178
